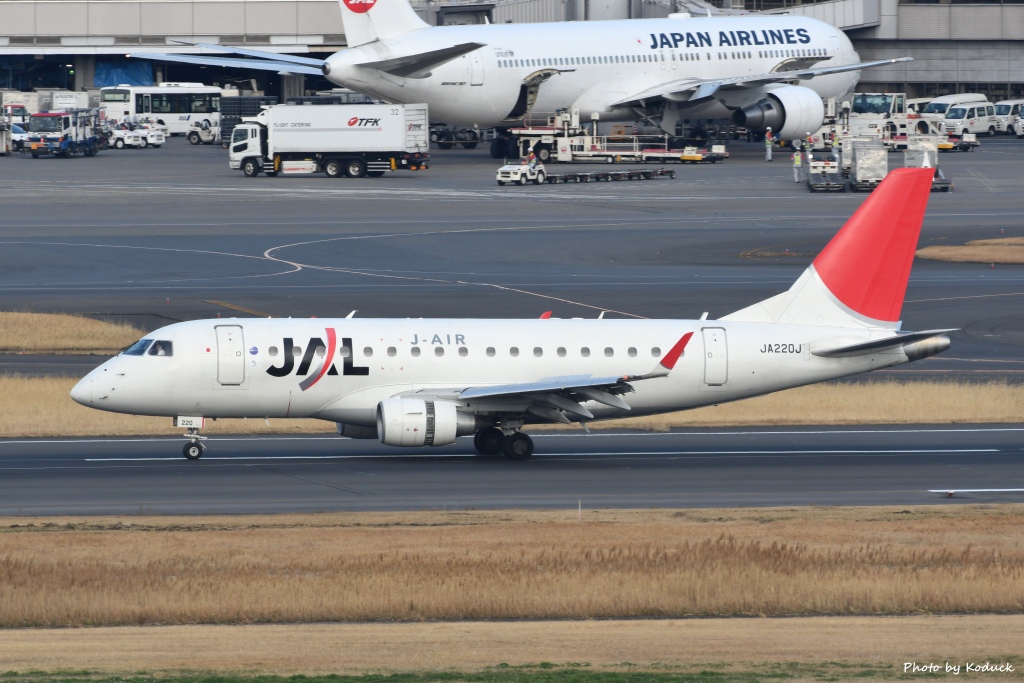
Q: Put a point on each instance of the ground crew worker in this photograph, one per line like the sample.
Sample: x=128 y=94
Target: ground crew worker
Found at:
x=797 y=166
x=768 y=144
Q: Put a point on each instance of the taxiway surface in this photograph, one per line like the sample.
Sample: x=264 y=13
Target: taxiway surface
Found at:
x=160 y=235
x=693 y=468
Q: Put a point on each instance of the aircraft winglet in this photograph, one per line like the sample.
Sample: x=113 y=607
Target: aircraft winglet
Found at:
x=670 y=358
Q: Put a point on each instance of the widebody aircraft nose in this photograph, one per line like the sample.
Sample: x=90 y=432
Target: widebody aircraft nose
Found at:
x=82 y=392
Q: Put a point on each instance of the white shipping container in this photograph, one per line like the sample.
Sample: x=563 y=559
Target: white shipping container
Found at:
x=345 y=128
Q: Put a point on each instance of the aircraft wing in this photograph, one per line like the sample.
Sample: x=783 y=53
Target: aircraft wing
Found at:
x=287 y=66
x=694 y=89
x=557 y=399
x=408 y=66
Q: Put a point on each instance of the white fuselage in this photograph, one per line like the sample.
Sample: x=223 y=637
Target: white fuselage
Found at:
x=589 y=65
x=245 y=368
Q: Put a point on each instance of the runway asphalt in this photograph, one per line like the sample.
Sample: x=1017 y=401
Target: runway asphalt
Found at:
x=695 y=468
x=160 y=235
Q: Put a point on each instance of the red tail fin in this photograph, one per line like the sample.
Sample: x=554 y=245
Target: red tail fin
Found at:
x=867 y=264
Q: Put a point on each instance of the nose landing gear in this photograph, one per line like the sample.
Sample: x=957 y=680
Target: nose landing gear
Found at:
x=193 y=450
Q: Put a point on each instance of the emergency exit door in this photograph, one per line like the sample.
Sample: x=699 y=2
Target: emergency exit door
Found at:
x=716 y=356
x=230 y=354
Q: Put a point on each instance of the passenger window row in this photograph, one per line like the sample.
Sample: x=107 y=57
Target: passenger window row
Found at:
x=556 y=62
x=491 y=352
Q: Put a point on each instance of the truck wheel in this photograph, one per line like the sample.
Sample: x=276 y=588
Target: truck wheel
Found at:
x=501 y=183
x=119 y=143
x=991 y=131
x=355 y=168
x=543 y=154
x=193 y=138
x=521 y=180
x=539 y=180
x=469 y=145
x=498 y=148
x=333 y=168
x=271 y=174
x=143 y=143
x=444 y=145
x=250 y=168
x=375 y=174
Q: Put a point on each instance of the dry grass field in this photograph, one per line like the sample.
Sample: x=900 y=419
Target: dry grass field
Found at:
x=881 y=402
x=638 y=651
x=510 y=565
x=55 y=333
x=1002 y=250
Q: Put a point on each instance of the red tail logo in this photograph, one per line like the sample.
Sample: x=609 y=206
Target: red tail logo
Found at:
x=867 y=264
x=360 y=6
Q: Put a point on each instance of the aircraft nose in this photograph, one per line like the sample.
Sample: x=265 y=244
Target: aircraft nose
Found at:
x=82 y=392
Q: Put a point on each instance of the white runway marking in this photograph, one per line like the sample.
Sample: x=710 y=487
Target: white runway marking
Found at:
x=675 y=455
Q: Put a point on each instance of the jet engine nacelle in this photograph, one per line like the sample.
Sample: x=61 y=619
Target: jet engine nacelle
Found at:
x=791 y=111
x=403 y=421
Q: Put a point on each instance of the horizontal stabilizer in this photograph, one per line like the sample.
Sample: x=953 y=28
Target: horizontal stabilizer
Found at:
x=419 y=65
x=876 y=345
x=261 y=64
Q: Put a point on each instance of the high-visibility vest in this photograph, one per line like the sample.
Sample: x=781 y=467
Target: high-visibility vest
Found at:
x=796 y=158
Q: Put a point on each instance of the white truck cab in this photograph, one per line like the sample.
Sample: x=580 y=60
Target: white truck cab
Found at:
x=973 y=117
x=1007 y=113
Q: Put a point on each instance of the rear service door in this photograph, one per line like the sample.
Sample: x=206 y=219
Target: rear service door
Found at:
x=230 y=354
x=716 y=356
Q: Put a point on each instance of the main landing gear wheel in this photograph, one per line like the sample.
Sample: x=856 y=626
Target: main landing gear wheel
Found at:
x=517 y=446
x=193 y=451
x=488 y=441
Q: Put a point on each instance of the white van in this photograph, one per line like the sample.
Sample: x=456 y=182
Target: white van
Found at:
x=973 y=117
x=1007 y=112
x=938 y=107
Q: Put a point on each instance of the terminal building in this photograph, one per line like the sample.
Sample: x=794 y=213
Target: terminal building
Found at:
x=957 y=45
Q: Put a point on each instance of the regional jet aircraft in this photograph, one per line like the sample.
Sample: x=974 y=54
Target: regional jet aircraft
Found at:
x=759 y=70
x=427 y=382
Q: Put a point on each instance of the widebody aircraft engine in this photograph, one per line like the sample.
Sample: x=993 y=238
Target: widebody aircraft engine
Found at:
x=791 y=111
x=408 y=421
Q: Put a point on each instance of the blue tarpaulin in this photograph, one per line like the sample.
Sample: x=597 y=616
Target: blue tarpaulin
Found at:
x=135 y=72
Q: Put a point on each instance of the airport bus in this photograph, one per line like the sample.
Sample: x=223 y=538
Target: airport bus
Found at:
x=175 y=105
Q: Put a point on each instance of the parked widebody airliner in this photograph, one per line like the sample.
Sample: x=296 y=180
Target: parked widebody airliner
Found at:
x=427 y=382
x=760 y=71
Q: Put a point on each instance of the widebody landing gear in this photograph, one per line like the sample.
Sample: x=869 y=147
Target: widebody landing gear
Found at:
x=517 y=446
x=193 y=450
x=488 y=441
x=514 y=445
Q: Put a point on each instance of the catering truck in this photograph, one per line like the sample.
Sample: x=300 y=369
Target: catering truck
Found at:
x=353 y=140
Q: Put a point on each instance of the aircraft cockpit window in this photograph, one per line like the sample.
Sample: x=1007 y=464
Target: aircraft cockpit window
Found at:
x=161 y=348
x=138 y=348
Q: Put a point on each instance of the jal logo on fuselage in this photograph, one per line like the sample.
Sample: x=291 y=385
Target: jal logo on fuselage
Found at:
x=692 y=39
x=356 y=121
x=326 y=361
x=360 y=6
